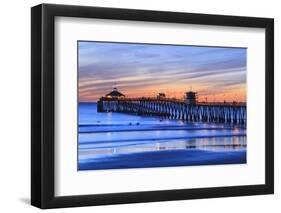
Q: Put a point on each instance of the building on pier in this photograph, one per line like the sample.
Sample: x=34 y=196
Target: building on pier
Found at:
x=115 y=94
x=191 y=98
x=161 y=96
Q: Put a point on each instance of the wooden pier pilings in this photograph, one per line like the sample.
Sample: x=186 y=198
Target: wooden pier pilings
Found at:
x=176 y=109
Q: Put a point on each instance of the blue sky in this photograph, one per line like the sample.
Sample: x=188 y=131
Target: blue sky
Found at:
x=144 y=70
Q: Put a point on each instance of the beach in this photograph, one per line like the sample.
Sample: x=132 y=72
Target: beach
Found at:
x=111 y=140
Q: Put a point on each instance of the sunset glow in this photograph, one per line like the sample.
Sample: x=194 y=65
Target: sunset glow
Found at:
x=217 y=74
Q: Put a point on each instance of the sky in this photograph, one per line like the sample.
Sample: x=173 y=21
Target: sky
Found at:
x=137 y=70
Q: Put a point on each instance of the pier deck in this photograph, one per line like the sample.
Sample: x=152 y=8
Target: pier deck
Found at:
x=233 y=113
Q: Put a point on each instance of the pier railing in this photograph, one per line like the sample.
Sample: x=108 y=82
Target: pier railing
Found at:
x=222 y=112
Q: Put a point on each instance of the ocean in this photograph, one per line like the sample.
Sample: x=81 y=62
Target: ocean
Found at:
x=111 y=140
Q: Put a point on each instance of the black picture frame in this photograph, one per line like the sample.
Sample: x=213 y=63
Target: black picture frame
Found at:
x=43 y=101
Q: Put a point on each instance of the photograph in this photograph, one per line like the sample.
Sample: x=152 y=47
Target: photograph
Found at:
x=160 y=105
x=139 y=105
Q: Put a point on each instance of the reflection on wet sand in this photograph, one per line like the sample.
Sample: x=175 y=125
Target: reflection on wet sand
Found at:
x=209 y=144
x=117 y=141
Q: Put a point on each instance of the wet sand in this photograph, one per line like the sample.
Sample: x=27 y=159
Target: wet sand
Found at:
x=121 y=141
x=163 y=158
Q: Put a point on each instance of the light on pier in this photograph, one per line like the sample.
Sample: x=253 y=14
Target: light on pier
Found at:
x=114 y=94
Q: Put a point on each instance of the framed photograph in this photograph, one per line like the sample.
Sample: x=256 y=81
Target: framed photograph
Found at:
x=139 y=106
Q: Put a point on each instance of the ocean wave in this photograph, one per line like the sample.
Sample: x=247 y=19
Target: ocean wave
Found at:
x=153 y=129
x=162 y=139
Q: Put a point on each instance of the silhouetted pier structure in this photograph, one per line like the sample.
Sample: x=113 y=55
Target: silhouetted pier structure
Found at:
x=187 y=110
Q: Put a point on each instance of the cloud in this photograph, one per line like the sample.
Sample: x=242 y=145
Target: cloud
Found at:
x=135 y=68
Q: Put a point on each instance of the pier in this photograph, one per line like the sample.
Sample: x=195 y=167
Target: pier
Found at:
x=186 y=109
